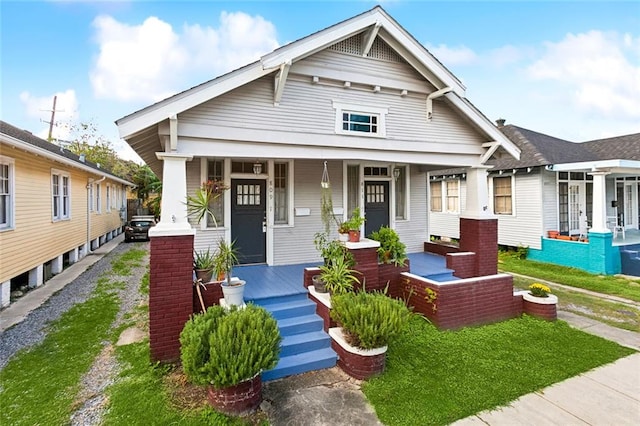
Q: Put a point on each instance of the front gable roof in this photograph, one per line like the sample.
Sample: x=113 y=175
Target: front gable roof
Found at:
x=373 y=23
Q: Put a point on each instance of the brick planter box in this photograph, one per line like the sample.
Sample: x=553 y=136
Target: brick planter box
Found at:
x=211 y=295
x=390 y=274
x=545 y=308
x=358 y=363
x=323 y=307
x=243 y=398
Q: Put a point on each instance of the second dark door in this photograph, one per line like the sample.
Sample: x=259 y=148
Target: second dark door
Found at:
x=376 y=205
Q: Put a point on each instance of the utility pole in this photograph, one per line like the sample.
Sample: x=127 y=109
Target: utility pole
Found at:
x=53 y=116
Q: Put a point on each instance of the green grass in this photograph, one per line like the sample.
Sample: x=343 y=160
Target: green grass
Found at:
x=609 y=312
x=607 y=284
x=436 y=377
x=39 y=386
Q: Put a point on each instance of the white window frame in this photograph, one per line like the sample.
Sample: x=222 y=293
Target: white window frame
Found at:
x=290 y=192
x=108 y=197
x=63 y=201
x=10 y=223
x=381 y=113
x=98 y=208
x=445 y=205
x=442 y=210
x=513 y=196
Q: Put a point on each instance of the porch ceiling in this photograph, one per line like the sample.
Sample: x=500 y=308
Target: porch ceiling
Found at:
x=146 y=143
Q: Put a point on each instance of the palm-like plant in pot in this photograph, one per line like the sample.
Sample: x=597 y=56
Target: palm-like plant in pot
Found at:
x=228 y=348
x=337 y=275
x=204 y=265
x=225 y=259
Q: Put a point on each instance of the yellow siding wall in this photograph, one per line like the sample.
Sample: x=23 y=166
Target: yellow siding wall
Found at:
x=36 y=238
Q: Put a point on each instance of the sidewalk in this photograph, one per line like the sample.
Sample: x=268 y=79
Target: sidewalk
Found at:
x=18 y=310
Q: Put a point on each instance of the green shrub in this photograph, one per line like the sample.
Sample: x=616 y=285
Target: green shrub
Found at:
x=369 y=320
x=391 y=249
x=224 y=348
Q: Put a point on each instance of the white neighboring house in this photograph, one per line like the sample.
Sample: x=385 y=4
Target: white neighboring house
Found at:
x=548 y=189
x=363 y=96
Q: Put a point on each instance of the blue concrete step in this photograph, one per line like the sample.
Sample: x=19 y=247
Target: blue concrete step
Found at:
x=304 y=342
x=295 y=308
x=301 y=363
x=298 y=325
x=274 y=300
x=442 y=276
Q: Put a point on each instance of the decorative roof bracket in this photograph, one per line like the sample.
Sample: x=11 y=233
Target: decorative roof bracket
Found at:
x=492 y=148
x=369 y=38
x=280 y=80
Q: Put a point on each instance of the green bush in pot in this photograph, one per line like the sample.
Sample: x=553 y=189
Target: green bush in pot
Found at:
x=225 y=347
x=391 y=249
x=369 y=320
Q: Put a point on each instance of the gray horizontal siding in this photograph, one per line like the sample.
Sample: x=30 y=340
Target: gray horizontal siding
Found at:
x=413 y=232
x=524 y=228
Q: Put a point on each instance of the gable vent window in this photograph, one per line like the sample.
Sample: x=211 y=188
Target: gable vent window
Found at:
x=360 y=120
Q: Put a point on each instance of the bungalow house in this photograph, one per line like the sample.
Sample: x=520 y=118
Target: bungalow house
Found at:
x=588 y=191
x=362 y=98
x=55 y=207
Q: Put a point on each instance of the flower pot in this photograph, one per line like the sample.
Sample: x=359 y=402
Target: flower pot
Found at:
x=354 y=236
x=318 y=284
x=243 y=398
x=204 y=275
x=553 y=234
x=234 y=293
x=564 y=237
x=541 y=307
x=343 y=237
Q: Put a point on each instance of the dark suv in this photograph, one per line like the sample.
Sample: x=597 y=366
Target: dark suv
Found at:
x=138 y=228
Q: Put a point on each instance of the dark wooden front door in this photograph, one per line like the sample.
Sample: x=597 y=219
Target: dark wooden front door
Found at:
x=376 y=205
x=248 y=219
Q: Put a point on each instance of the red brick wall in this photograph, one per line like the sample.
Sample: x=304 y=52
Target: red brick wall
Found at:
x=391 y=274
x=481 y=237
x=470 y=302
x=463 y=264
x=211 y=295
x=308 y=275
x=170 y=294
x=323 y=312
x=359 y=366
x=545 y=312
x=367 y=266
x=440 y=248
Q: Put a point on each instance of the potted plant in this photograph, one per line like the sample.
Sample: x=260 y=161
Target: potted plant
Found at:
x=354 y=224
x=212 y=354
x=225 y=259
x=203 y=264
x=343 y=232
x=391 y=250
x=367 y=322
x=337 y=275
x=330 y=250
x=199 y=204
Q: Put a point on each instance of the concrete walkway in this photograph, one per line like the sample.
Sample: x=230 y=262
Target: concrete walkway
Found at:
x=18 y=310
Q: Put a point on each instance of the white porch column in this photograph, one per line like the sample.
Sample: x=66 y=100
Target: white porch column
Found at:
x=477 y=194
x=173 y=218
x=599 y=221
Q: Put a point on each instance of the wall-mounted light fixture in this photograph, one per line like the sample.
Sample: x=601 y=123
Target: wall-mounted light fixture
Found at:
x=257 y=167
x=396 y=173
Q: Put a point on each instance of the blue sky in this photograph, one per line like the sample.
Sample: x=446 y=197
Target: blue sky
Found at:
x=568 y=69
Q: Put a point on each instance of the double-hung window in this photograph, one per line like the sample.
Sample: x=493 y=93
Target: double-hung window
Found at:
x=6 y=193
x=108 y=198
x=281 y=193
x=360 y=120
x=401 y=188
x=502 y=198
x=452 y=195
x=60 y=197
x=435 y=189
x=215 y=173
x=98 y=199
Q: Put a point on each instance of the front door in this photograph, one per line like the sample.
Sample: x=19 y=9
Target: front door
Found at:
x=376 y=205
x=248 y=219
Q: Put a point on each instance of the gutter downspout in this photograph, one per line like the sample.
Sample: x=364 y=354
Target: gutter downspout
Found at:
x=433 y=96
x=89 y=183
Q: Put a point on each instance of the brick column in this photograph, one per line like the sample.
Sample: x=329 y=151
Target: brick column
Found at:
x=481 y=237
x=170 y=294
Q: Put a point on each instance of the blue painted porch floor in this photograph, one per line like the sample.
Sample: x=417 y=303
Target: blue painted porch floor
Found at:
x=279 y=289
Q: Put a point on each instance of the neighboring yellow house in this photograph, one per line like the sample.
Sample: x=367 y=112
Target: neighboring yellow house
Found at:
x=54 y=209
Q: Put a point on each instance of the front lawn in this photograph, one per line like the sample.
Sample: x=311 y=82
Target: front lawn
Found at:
x=436 y=377
x=607 y=284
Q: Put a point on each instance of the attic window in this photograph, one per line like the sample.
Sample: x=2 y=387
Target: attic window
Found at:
x=360 y=120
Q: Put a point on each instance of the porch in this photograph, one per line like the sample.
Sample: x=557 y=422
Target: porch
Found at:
x=264 y=282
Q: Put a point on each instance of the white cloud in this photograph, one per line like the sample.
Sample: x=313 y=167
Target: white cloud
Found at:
x=460 y=55
x=40 y=107
x=505 y=55
x=151 y=61
x=600 y=71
